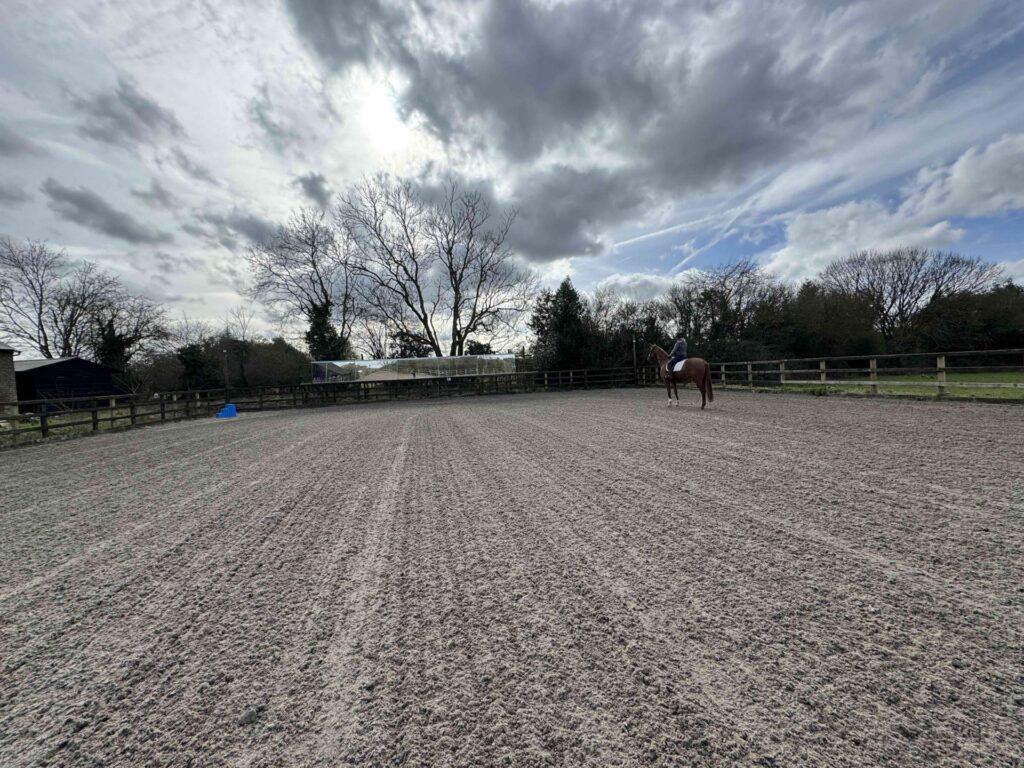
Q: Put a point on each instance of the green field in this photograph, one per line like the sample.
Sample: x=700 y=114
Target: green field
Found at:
x=903 y=385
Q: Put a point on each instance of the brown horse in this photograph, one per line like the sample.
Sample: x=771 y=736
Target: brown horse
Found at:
x=694 y=369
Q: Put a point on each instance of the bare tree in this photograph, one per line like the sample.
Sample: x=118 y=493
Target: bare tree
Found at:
x=484 y=290
x=387 y=223
x=189 y=331
x=440 y=273
x=239 y=323
x=83 y=299
x=899 y=283
x=30 y=278
x=50 y=303
x=305 y=270
x=374 y=335
x=125 y=326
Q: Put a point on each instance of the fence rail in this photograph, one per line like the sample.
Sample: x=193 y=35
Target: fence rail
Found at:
x=39 y=419
x=944 y=373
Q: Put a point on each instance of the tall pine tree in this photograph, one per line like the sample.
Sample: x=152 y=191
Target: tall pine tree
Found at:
x=562 y=328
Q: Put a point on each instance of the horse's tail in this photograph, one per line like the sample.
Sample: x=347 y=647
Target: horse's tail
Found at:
x=707 y=381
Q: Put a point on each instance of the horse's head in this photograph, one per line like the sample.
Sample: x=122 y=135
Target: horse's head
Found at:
x=650 y=353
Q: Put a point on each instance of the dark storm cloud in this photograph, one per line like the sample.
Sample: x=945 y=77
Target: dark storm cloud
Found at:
x=686 y=97
x=11 y=195
x=351 y=32
x=562 y=211
x=314 y=186
x=157 y=196
x=126 y=117
x=13 y=144
x=86 y=208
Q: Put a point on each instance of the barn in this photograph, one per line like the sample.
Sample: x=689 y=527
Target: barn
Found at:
x=63 y=377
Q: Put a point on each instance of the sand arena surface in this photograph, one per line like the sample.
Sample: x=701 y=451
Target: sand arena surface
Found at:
x=525 y=580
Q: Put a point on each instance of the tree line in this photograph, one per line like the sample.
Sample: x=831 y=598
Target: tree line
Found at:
x=394 y=270
x=66 y=308
x=872 y=302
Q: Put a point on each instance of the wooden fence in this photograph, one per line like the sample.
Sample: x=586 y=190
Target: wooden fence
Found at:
x=38 y=419
x=940 y=374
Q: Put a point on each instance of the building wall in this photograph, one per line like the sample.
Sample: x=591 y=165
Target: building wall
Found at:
x=65 y=378
x=8 y=387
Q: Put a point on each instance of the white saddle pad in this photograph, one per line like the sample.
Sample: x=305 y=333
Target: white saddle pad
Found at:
x=678 y=367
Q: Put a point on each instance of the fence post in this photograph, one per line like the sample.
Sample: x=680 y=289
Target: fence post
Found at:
x=940 y=367
x=821 y=367
x=131 y=413
x=750 y=375
x=722 y=368
x=95 y=419
x=782 y=372
x=44 y=422
x=163 y=410
x=873 y=365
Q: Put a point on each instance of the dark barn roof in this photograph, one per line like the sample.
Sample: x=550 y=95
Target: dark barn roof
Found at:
x=7 y=348
x=31 y=365
x=63 y=377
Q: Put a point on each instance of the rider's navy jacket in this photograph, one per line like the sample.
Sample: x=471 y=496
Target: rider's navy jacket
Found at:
x=679 y=350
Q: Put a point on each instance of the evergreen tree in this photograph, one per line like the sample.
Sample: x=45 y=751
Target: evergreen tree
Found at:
x=562 y=328
x=407 y=345
x=322 y=338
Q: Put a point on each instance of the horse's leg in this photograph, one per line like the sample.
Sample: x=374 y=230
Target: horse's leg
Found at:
x=668 y=388
x=703 y=392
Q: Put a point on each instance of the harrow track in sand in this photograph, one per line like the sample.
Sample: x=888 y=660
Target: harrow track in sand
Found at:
x=528 y=580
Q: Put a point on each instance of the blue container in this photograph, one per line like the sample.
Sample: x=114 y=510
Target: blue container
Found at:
x=227 y=412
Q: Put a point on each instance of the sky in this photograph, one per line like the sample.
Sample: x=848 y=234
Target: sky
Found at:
x=636 y=140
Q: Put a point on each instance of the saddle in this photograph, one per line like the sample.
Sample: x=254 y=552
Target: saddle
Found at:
x=679 y=366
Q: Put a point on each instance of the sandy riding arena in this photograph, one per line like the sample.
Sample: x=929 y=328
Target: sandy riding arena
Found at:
x=525 y=580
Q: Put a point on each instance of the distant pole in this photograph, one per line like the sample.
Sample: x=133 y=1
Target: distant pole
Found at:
x=636 y=373
x=226 y=383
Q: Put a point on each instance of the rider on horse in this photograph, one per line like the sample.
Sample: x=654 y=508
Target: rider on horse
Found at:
x=678 y=353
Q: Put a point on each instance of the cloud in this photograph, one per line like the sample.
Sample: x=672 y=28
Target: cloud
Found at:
x=89 y=210
x=983 y=181
x=250 y=226
x=170 y=264
x=11 y=195
x=157 y=196
x=281 y=137
x=13 y=144
x=196 y=170
x=638 y=286
x=652 y=102
x=314 y=186
x=1014 y=270
x=356 y=31
x=813 y=240
x=126 y=117
x=563 y=211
